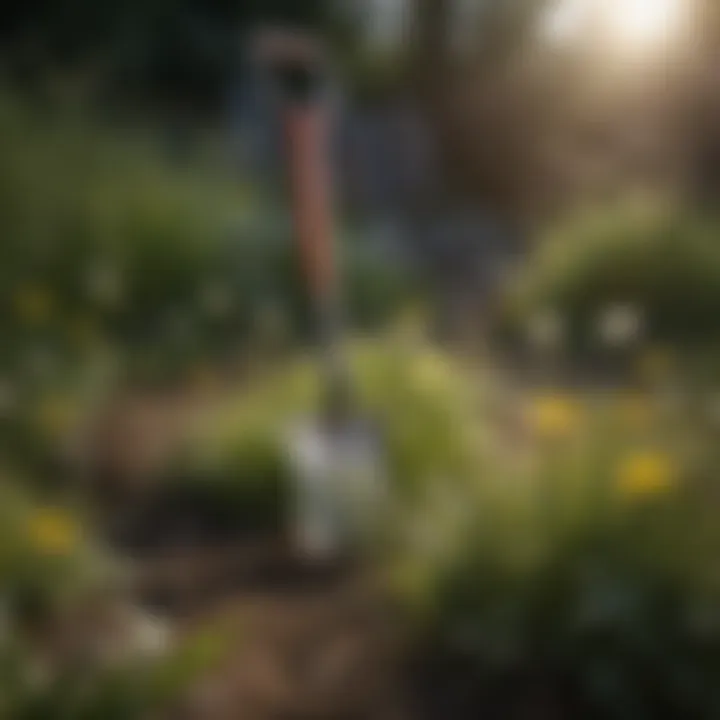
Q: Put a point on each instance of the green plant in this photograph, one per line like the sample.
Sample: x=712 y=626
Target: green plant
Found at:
x=661 y=260
x=131 y=689
x=63 y=653
x=110 y=249
x=47 y=557
x=581 y=562
x=237 y=459
x=121 y=267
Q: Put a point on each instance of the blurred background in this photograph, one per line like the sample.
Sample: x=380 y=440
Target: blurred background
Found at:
x=525 y=198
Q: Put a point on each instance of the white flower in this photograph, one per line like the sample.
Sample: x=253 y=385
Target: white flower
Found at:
x=149 y=635
x=620 y=325
x=546 y=330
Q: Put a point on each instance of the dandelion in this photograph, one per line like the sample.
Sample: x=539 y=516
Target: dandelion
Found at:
x=554 y=416
x=645 y=474
x=620 y=325
x=53 y=532
x=33 y=304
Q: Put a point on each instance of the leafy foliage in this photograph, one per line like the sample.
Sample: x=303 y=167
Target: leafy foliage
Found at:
x=119 y=266
x=663 y=261
x=583 y=563
x=237 y=460
x=86 y=690
x=47 y=559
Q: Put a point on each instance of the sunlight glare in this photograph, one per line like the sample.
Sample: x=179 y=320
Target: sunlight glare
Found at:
x=629 y=25
x=564 y=21
x=640 y=24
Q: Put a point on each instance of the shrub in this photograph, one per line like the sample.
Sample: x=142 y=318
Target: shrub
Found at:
x=416 y=396
x=578 y=574
x=81 y=688
x=63 y=653
x=663 y=261
x=47 y=557
x=106 y=247
x=109 y=249
x=118 y=266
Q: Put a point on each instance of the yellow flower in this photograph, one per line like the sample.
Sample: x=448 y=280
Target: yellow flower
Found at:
x=645 y=474
x=655 y=364
x=33 y=304
x=53 y=531
x=554 y=416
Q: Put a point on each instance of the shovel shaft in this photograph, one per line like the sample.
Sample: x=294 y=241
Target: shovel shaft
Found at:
x=306 y=135
x=305 y=129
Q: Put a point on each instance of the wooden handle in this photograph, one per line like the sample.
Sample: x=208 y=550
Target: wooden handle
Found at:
x=310 y=188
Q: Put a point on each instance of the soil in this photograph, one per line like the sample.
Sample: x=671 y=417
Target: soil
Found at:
x=307 y=642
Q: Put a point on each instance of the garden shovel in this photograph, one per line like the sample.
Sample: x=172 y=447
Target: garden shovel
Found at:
x=336 y=455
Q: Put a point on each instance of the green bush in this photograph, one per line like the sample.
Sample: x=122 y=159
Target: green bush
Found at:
x=415 y=395
x=58 y=658
x=107 y=248
x=47 y=558
x=661 y=260
x=580 y=568
x=130 y=688
x=118 y=266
